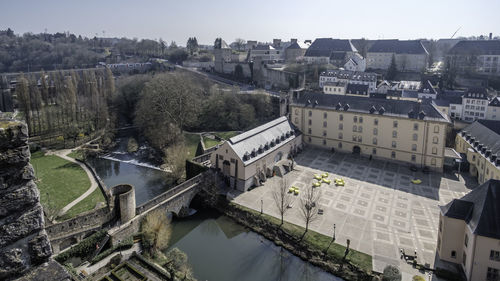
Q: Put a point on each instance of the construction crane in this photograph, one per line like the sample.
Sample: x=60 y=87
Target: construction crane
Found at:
x=455 y=32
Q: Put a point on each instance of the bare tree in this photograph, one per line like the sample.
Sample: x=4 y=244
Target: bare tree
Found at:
x=175 y=159
x=309 y=206
x=156 y=230
x=281 y=198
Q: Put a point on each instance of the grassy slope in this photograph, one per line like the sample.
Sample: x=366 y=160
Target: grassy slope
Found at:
x=59 y=180
x=191 y=141
x=320 y=241
x=85 y=205
x=226 y=135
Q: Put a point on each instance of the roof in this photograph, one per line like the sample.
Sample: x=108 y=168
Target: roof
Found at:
x=478 y=47
x=398 y=47
x=323 y=47
x=351 y=75
x=480 y=209
x=263 y=47
x=452 y=97
x=485 y=133
x=338 y=83
x=451 y=153
x=262 y=140
x=495 y=102
x=337 y=55
x=442 y=102
x=357 y=89
x=427 y=88
x=298 y=45
x=386 y=107
x=476 y=93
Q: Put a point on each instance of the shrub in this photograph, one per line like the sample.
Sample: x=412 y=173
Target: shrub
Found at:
x=391 y=273
x=418 y=278
x=125 y=244
x=83 y=249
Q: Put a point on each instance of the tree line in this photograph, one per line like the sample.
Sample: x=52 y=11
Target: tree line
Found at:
x=67 y=105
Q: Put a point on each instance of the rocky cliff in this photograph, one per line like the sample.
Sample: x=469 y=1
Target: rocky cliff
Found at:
x=24 y=244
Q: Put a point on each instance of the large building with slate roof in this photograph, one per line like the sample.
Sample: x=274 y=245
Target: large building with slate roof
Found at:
x=328 y=50
x=481 y=56
x=480 y=141
x=410 y=55
x=469 y=232
x=247 y=159
x=410 y=132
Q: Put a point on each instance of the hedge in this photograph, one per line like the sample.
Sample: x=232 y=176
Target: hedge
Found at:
x=83 y=249
x=125 y=244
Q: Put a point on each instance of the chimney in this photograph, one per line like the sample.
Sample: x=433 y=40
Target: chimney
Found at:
x=491 y=35
x=276 y=43
x=293 y=40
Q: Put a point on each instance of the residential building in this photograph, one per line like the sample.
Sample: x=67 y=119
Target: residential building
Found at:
x=493 y=110
x=266 y=53
x=355 y=63
x=328 y=50
x=454 y=100
x=249 y=158
x=469 y=232
x=296 y=51
x=349 y=77
x=335 y=88
x=409 y=132
x=409 y=55
x=476 y=56
x=427 y=91
x=361 y=90
x=480 y=141
x=474 y=104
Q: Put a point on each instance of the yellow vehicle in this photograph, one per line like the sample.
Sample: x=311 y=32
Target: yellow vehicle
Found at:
x=296 y=191
x=327 y=181
x=339 y=182
x=324 y=175
x=291 y=189
x=416 y=181
x=316 y=184
x=318 y=177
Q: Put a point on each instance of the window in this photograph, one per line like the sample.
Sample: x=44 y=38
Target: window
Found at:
x=433 y=161
x=310 y=122
x=341 y=136
x=360 y=138
x=393 y=154
x=435 y=140
x=360 y=119
x=415 y=126
x=296 y=120
x=360 y=129
x=374 y=151
x=495 y=255
x=413 y=158
x=394 y=134
x=340 y=145
x=355 y=119
x=374 y=141
x=492 y=274
x=415 y=137
x=309 y=139
x=324 y=124
x=309 y=131
x=464 y=258
x=436 y=129
x=395 y=124
x=310 y=113
x=375 y=121
x=393 y=144
x=354 y=128
x=324 y=133
x=324 y=142
x=454 y=254
x=341 y=117
x=354 y=138
x=341 y=126
x=413 y=147
x=325 y=115
x=466 y=240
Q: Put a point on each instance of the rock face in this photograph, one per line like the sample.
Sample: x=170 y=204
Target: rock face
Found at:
x=24 y=244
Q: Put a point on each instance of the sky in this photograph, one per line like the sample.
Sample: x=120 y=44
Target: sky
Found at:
x=260 y=20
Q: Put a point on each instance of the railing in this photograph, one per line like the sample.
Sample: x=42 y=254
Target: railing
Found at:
x=168 y=194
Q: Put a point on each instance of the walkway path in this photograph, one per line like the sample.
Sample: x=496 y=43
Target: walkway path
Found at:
x=89 y=269
x=63 y=153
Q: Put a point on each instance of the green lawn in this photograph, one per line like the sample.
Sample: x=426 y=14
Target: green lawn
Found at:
x=319 y=241
x=76 y=154
x=210 y=142
x=59 y=181
x=227 y=135
x=85 y=205
x=191 y=141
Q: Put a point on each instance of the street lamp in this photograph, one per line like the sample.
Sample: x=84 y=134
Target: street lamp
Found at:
x=261 y=205
x=333 y=240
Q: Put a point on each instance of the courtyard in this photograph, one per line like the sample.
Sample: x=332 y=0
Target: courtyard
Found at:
x=379 y=209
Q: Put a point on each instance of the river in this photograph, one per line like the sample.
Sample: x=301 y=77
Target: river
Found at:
x=218 y=249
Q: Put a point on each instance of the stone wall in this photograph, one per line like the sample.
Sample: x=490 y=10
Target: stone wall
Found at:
x=23 y=241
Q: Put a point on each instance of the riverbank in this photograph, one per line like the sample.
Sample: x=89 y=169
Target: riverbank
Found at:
x=357 y=266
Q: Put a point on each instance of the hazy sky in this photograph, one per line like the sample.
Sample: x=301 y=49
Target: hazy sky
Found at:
x=260 y=20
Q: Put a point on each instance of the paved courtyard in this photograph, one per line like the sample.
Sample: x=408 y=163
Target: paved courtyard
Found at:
x=378 y=209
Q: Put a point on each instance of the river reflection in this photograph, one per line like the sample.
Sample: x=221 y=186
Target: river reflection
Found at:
x=221 y=250
x=148 y=182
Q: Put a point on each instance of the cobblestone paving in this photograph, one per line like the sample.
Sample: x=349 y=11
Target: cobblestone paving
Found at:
x=378 y=209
